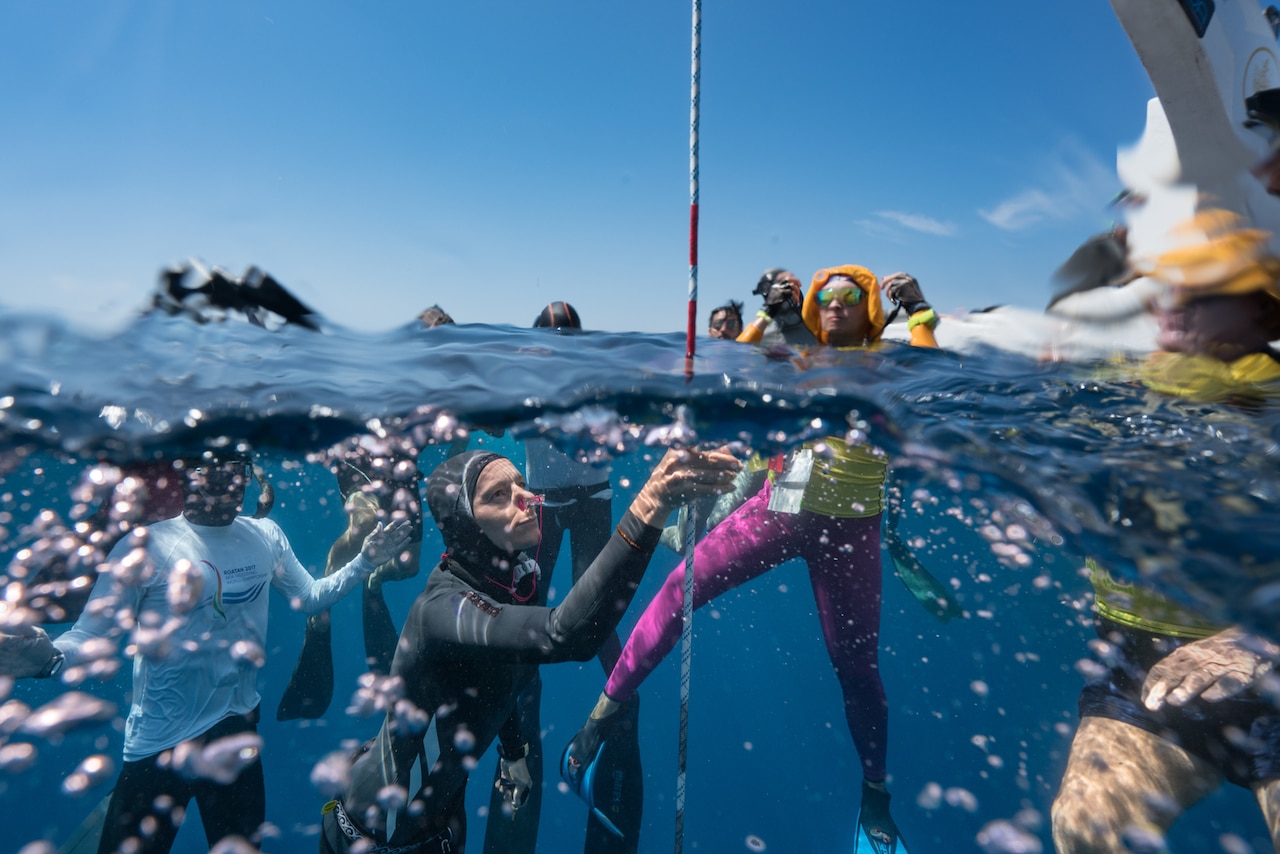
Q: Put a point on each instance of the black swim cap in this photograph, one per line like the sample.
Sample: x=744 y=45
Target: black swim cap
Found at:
x=450 y=492
x=558 y=315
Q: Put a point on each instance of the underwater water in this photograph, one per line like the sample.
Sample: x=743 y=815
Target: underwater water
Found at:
x=1009 y=472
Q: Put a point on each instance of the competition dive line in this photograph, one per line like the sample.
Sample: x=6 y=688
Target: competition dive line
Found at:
x=694 y=95
x=686 y=626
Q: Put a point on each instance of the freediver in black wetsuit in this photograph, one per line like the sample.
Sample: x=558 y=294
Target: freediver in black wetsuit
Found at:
x=473 y=641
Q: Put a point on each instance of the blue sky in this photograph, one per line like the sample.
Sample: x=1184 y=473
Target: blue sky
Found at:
x=494 y=155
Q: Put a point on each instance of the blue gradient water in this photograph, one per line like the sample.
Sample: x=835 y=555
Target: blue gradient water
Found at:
x=986 y=447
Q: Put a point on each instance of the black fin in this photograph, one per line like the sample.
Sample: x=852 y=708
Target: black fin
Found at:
x=311 y=686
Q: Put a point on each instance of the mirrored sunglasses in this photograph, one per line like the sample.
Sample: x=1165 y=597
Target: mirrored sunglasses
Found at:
x=845 y=296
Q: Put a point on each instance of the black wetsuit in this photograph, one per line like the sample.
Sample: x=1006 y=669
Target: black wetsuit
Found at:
x=467 y=650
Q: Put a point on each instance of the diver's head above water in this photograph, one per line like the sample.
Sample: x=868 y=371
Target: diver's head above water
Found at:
x=485 y=514
x=558 y=315
x=843 y=306
x=433 y=316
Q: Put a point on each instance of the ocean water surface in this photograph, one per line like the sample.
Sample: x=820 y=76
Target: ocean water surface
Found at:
x=1008 y=471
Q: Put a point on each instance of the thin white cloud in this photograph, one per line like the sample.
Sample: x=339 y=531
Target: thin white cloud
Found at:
x=878 y=230
x=1075 y=184
x=1025 y=209
x=920 y=222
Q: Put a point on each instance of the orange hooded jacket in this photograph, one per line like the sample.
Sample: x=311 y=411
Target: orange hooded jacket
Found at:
x=921 y=333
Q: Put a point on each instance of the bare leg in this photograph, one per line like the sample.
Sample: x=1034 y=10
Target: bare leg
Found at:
x=1122 y=779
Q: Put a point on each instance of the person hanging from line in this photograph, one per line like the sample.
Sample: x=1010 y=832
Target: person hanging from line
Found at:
x=198 y=620
x=474 y=639
x=825 y=509
x=577 y=498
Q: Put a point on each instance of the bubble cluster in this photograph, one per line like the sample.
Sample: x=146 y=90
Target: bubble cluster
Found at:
x=92 y=771
x=221 y=761
x=1004 y=837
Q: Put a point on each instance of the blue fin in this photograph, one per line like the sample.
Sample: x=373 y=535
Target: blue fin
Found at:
x=876 y=842
x=612 y=828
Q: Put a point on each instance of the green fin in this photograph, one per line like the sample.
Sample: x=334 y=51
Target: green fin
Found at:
x=928 y=590
x=311 y=686
x=89 y=833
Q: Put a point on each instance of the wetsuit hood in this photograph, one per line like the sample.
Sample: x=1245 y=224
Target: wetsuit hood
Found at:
x=864 y=279
x=473 y=556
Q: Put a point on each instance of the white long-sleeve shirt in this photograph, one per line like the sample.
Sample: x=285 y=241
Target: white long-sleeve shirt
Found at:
x=203 y=669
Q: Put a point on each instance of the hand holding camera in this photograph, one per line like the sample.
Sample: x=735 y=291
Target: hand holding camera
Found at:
x=779 y=299
x=778 y=287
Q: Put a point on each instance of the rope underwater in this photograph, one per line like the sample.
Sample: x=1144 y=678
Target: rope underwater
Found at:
x=686 y=627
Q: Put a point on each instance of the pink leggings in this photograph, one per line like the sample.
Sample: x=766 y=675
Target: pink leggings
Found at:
x=843 y=556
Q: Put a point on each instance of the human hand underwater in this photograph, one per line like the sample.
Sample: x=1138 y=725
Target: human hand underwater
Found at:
x=1213 y=669
x=384 y=543
x=25 y=651
x=683 y=475
x=514 y=781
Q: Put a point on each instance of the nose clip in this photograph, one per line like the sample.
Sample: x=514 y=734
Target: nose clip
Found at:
x=523 y=503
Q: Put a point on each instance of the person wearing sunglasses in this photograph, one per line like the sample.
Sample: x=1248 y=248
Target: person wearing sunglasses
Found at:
x=823 y=507
x=473 y=642
x=189 y=596
x=726 y=321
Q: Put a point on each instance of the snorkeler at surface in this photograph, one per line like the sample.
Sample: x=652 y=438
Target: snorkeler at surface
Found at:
x=1179 y=706
x=577 y=498
x=199 y=627
x=726 y=321
x=474 y=640
x=823 y=507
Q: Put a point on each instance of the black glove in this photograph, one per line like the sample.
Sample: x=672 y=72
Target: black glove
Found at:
x=905 y=292
x=875 y=822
